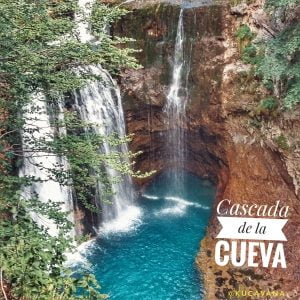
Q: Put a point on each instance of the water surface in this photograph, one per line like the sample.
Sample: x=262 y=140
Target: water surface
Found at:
x=156 y=260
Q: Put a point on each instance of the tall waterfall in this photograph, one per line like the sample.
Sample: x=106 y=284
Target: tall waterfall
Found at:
x=100 y=103
x=175 y=107
x=38 y=162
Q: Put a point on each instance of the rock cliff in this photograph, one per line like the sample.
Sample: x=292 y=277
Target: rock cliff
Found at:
x=248 y=161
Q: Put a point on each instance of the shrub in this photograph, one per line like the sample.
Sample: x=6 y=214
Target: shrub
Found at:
x=266 y=108
x=282 y=142
x=249 y=54
x=280 y=66
x=244 y=33
x=269 y=103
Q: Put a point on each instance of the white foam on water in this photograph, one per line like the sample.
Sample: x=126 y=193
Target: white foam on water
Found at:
x=151 y=197
x=177 y=210
x=129 y=220
x=78 y=256
x=185 y=202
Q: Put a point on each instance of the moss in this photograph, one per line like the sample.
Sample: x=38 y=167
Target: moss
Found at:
x=150 y=27
x=249 y=54
x=282 y=142
x=269 y=103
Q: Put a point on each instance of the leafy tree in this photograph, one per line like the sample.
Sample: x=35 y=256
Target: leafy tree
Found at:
x=244 y=33
x=280 y=65
x=40 y=53
x=277 y=60
x=271 y=4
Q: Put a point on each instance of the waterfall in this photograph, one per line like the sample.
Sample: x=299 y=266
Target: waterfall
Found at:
x=38 y=161
x=175 y=107
x=100 y=104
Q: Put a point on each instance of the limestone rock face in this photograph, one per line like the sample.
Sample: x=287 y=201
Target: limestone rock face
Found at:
x=144 y=91
x=223 y=143
x=239 y=10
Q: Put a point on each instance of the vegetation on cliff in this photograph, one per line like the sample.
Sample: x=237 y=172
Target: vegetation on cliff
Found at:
x=277 y=60
x=40 y=52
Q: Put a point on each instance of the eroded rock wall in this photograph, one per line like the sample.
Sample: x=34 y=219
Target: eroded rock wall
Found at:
x=144 y=91
x=259 y=170
x=224 y=143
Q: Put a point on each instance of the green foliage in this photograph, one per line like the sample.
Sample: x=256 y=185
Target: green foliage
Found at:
x=113 y=56
x=244 y=33
x=40 y=52
x=249 y=54
x=277 y=60
x=40 y=49
x=280 y=66
x=32 y=260
x=269 y=103
x=273 y=4
x=266 y=108
x=81 y=148
x=282 y=142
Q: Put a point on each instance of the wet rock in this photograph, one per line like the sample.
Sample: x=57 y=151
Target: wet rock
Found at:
x=221 y=146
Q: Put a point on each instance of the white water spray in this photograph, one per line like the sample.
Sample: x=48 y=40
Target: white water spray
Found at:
x=99 y=103
x=175 y=107
x=39 y=162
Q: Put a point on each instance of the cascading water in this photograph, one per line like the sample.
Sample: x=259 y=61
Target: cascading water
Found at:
x=156 y=261
x=100 y=104
x=38 y=162
x=175 y=107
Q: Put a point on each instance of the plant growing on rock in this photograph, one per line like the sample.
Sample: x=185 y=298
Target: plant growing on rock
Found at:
x=276 y=60
x=280 y=66
x=282 y=142
x=244 y=35
x=271 y=4
x=266 y=108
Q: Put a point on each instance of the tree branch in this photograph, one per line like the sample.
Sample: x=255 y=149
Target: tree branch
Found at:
x=2 y=287
x=7 y=132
